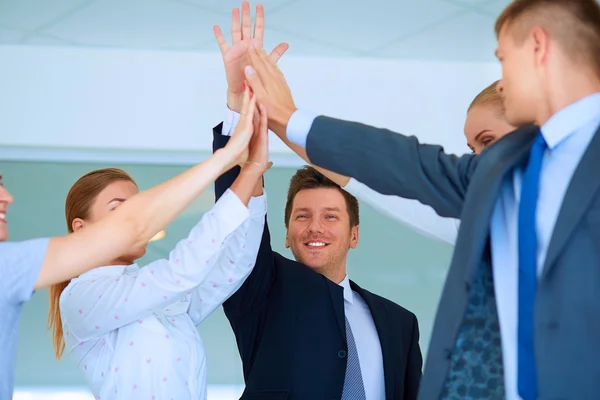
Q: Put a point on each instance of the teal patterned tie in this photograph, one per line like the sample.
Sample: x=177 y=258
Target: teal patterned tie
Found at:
x=476 y=370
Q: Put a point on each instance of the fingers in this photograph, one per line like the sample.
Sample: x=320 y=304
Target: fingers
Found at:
x=246 y=21
x=245 y=127
x=264 y=125
x=221 y=41
x=250 y=116
x=245 y=102
x=268 y=64
x=262 y=137
x=278 y=51
x=236 y=30
x=256 y=121
x=248 y=105
x=259 y=25
x=257 y=62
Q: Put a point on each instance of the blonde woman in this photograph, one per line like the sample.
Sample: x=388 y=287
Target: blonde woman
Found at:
x=38 y=263
x=131 y=330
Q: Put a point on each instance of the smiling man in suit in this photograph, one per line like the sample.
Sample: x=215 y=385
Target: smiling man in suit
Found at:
x=303 y=329
x=519 y=312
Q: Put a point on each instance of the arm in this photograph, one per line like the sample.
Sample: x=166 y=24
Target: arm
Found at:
x=254 y=290
x=94 y=305
x=421 y=218
x=391 y=163
x=414 y=364
x=387 y=162
x=233 y=265
x=132 y=224
x=136 y=221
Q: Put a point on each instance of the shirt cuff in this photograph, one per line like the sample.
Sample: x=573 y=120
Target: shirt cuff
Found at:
x=258 y=206
x=230 y=212
x=352 y=186
x=299 y=126
x=230 y=122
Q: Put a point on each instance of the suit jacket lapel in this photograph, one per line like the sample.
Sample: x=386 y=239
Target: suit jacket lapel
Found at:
x=388 y=350
x=337 y=301
x=579 y=195
x=494 y=167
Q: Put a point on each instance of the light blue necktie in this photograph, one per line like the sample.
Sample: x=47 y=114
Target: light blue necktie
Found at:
x=354 y=388
x=526 y=369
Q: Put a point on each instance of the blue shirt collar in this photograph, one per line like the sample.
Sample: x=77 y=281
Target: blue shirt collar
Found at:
x=570 y=119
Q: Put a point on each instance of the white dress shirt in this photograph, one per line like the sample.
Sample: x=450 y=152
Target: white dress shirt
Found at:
x=567 y=134
x=367 y=342
x=132 y=331
x=412 y=213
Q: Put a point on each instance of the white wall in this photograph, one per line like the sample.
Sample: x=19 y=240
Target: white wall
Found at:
x=128 y=106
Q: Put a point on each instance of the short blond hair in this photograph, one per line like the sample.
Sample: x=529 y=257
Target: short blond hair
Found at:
x=488 y=96
x=575 y=24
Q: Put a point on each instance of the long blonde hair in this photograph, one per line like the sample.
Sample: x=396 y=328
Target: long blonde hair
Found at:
x=79 y=202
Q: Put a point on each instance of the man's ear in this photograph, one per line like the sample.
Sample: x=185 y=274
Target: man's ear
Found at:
x=354 y=232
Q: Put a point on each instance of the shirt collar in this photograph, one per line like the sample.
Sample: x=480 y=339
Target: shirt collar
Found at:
x=570 y=119
x=348 y=296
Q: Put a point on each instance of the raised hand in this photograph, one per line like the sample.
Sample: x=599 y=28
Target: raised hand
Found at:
x=234 y=56
x=259 y=144
x=237 y=147
x=270 y=88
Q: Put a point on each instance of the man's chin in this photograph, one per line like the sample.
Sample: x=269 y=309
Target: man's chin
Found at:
x=315 y=263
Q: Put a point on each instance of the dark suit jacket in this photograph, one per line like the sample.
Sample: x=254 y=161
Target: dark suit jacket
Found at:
x=290 y=330
x=567 y=309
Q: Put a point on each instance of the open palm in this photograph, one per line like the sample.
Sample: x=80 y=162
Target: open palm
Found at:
x=234 y=56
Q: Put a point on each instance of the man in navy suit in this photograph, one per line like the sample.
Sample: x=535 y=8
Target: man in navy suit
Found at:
x=303 y=329
x=519 y=312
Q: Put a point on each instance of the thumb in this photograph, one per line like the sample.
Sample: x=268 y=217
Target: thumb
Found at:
x=254 y=82
x=278 y=51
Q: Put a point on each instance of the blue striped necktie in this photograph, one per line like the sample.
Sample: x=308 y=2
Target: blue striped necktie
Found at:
x=354 y=389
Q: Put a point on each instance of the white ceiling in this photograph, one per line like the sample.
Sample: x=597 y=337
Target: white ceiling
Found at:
x=460 y=30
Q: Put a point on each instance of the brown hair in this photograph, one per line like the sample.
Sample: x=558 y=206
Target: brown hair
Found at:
x=78 y=204
x=309 y=178
x=489 y=95
x=575 y=24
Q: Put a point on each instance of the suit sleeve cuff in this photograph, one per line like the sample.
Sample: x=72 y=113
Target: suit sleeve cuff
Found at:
x=299 y=126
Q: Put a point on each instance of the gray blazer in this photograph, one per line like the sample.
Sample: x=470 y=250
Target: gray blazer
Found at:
x=567 y=309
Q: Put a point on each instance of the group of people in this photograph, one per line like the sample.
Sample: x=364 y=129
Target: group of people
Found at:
x=518 y=314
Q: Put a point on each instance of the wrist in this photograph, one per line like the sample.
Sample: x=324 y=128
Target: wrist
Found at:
x=225 y=159
x=234 y=101
x=278 y=123
x=252 y=169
